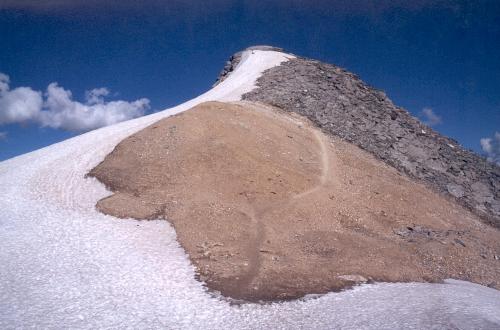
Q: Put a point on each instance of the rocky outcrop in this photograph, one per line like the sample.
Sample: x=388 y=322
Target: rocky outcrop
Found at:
x=234 y=60
x=342 y=105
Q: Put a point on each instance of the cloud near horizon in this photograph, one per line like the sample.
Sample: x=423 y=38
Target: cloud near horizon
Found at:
x=57 y=109
x=430 y=117
x=491 y=148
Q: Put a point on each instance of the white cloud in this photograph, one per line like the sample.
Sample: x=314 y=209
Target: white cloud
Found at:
x=3 y=136
x=491 y=147
x=4 y=82
x=96 y=95
x=57 y=109
x=18 y=105
x=430 y=118
x=63 y=112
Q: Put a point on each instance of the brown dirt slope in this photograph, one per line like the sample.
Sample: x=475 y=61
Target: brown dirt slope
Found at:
x=268 y=207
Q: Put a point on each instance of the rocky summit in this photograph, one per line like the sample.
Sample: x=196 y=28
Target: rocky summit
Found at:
x=342 y=105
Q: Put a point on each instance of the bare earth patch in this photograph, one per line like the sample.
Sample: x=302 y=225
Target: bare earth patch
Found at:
x=268 y=207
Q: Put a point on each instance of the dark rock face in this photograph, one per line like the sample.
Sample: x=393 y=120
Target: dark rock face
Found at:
x=343 y=105
x=229 y=67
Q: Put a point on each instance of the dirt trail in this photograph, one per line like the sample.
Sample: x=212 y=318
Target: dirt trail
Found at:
x=325 y=168
x=268 y=207
x=254 y=258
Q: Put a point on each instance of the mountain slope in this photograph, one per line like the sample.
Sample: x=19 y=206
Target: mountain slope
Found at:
x=342 y=105
x=64 y=264
x=268 y=207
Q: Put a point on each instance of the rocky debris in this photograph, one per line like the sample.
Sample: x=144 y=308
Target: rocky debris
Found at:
x=415 y=232
x=265 y=48
x=421 y=231
x=342 y=105
x=353 y=278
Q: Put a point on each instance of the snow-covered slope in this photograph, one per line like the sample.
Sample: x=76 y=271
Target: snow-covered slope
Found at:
x=64 y=265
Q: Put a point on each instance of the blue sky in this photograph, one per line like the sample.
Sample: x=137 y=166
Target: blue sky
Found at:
x=437 y=55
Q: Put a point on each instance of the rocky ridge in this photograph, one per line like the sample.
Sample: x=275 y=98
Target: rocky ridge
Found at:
x=341 y=104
